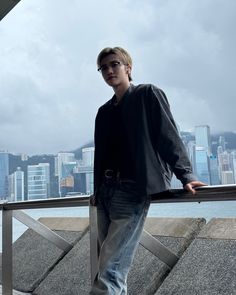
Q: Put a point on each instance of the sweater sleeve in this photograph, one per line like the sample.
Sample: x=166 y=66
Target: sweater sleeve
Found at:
x=166 y=137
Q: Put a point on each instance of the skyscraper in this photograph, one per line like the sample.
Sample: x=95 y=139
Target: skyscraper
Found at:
x=16 y=185
x=203 y=152
x=214 y=171
x=38 y=181
x=67 y=177
x=191 y=149
x=227 y=177
x=202 y=165
x=62 y=158
x=234 y=164
x=87 y=162
x=88 y=156
x=4 y=172
x=222 y=142
x=202 y=137
x=226 y=166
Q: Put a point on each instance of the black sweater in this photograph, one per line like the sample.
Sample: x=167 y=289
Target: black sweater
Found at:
x=152 y=137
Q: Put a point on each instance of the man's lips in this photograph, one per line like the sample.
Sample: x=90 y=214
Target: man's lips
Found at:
x=110 y=78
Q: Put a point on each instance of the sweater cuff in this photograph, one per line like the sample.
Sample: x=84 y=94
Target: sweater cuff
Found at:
x=188 y=178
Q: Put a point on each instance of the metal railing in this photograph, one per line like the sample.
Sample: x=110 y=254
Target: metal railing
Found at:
x=12 y=209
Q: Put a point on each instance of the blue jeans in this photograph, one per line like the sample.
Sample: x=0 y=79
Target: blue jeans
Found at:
x=121 y=213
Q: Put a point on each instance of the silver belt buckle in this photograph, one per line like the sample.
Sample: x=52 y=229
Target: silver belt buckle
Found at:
x=109 y=173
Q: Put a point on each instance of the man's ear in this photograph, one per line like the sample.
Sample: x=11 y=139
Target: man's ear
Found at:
x=128 y=69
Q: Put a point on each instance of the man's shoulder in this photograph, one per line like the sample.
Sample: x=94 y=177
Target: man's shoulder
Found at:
x=106 y=105
x=146 y=88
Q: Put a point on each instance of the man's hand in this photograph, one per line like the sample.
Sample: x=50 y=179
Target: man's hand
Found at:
x=92 y=200
x=193 y=184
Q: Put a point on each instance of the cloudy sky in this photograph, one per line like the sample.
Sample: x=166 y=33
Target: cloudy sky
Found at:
x=50 y=89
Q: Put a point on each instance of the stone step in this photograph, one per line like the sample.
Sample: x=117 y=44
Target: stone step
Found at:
x=34 y=256
x=72 y=274
x=209 y=264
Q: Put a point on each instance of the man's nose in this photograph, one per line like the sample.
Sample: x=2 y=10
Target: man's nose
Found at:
x=109 y=69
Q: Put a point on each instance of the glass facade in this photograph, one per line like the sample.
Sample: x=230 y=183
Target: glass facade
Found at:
x=214 y=171
x=62 y=158
x=19 y=185
x=202 y=165
x=202 y=137
x=16 y=186
x=38 y=181
x=4 y=172
x=88 y=156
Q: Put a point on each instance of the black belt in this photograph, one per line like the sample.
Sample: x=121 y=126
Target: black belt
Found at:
x=111 y=174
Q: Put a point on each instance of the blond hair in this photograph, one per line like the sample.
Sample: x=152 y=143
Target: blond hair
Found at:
x=119 y=51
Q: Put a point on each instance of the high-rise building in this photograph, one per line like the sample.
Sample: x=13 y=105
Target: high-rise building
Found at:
x=222 y=142
x=62 y=158
x=38 y=181
x=214 y=171
x=191 y=149
x=226 y=166
x=67 y=177
x=234 y=164
x=89 y=183
x=88 y=156
x=16 y=185
x=202 y=165
x=224 y=161
x=4 y=172
x=85 y=169
x=227 y=177
x=202 y=137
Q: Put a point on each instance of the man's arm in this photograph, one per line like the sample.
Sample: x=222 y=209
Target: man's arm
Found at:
x=168 y=142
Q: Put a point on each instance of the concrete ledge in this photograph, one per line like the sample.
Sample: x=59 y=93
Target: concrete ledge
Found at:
x=34 y=257
x=66 y=223
x=209 y=264
x=40 y=268
x=148 y=272
x=72 y=274
x=173 y=227
x=219 y=228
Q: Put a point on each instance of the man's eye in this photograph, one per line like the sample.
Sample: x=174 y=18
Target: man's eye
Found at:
x=115 y=64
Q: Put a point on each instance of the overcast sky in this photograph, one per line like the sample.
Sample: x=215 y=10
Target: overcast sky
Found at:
x=50 y=89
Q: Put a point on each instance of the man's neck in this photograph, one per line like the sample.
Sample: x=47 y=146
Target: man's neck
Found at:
x=120 y=91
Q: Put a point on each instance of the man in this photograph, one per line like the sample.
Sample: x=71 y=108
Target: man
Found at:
x=137 y=147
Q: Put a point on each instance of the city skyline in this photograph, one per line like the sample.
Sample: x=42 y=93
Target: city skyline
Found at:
x=50 y=87
x=70 y=173
x=89 y=142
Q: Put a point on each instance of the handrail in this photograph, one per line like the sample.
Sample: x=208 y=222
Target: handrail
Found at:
x=46 y=203
x=204 y=194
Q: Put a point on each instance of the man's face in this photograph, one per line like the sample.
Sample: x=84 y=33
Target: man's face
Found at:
x=114 y=71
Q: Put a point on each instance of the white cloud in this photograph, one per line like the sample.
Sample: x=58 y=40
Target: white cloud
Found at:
x=50 y=89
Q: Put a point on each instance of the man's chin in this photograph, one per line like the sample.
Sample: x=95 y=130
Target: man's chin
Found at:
x=111 y=83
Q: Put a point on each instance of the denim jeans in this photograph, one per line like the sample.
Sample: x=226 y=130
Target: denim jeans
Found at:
x=121 y=213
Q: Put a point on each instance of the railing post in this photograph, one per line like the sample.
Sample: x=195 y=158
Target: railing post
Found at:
x=93 y=242
x=42 y=230
x=158 y=249
x=7 y=252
